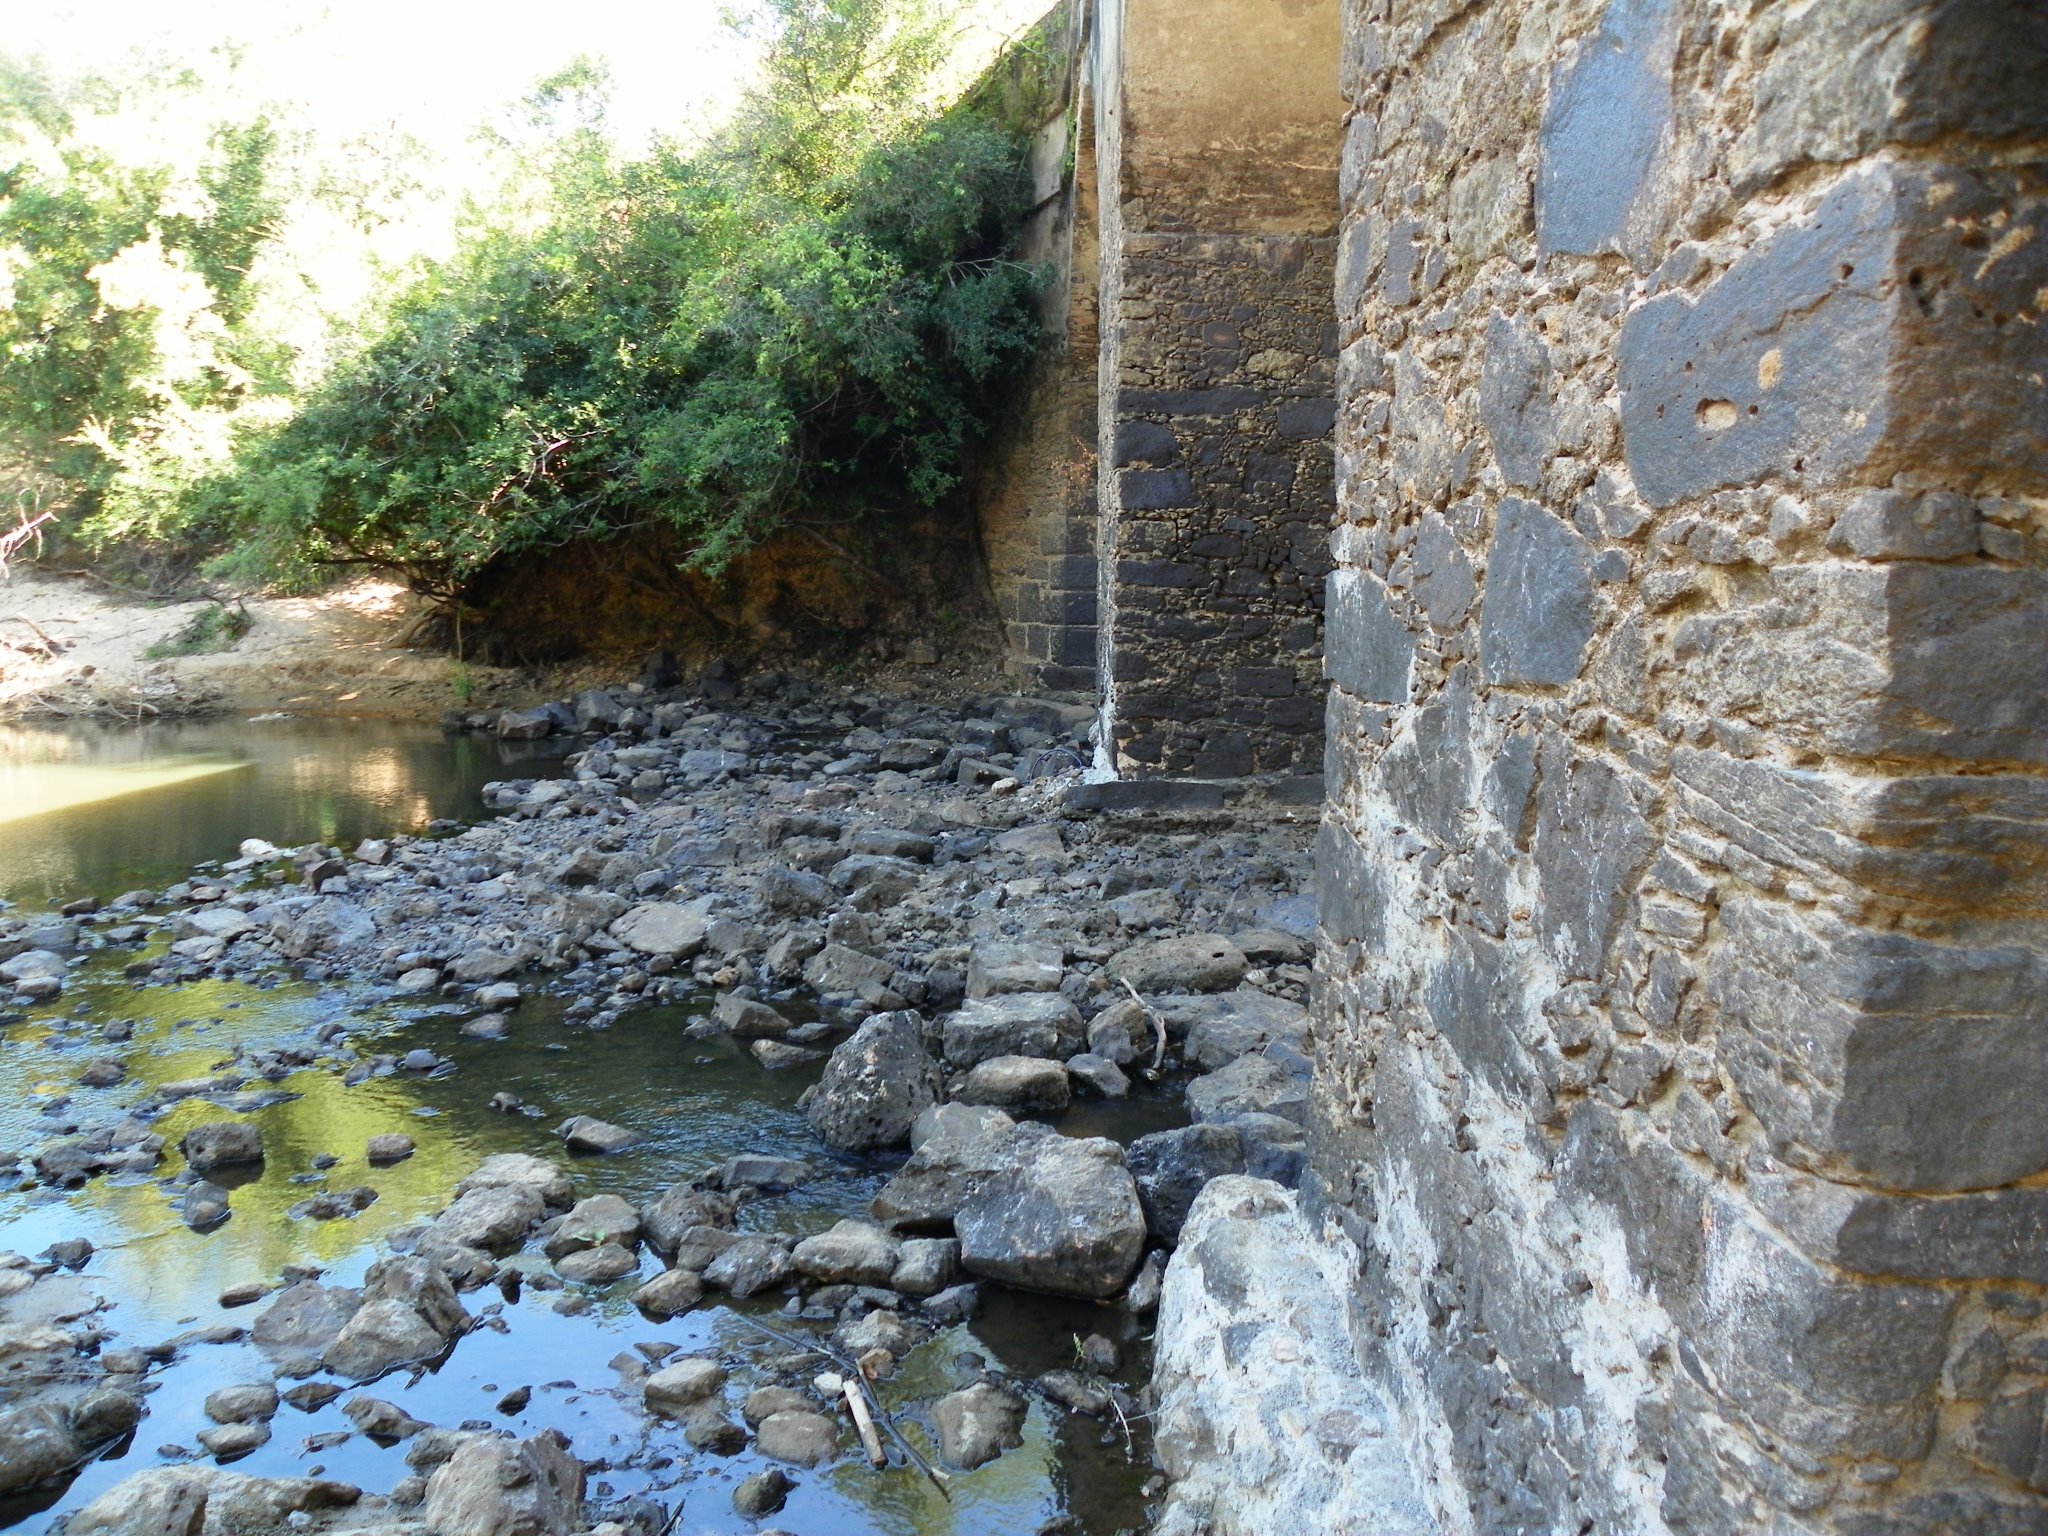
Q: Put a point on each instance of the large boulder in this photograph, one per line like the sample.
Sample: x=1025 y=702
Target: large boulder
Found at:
x=668 y=928
x=1205 y=962
x=592 y=1223
x=300 y=1324
x=664 y=1222
x=181 y=1500
x=1172 y=1167
x=1222 y=1026
x=997 y=967
x=1021 y=1083
x=954 y=1148
x=383 y=1335
x=494 y=1487
x=504 y=1170
x=327 y=925
x=1273 y=1080
x=876 y=1084
x=851 y=1253
x=1061 y=1215
x=1017 y=1024
x=492 y=1217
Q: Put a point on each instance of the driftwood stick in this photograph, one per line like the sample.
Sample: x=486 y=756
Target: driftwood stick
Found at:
x=863 y=1421
x=1158 y=1026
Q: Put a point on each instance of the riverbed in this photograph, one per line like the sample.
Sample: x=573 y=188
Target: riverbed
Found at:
x=95 y=812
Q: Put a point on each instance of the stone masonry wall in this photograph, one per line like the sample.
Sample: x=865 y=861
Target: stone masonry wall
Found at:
x=1218 y=155
x=1682 y=1051
x=1220 y=436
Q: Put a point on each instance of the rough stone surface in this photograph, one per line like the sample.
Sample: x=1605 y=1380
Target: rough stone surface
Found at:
x=1059 y=1214
x=876 y=1084
x=977 y=1425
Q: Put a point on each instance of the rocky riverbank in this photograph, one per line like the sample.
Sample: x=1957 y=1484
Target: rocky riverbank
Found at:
x=923 y=907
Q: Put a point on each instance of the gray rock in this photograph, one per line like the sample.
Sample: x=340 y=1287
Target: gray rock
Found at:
x=761 y=1494
x=241 y=1403
x=996 y=967
x=297 y=1328
x=977 y=1425
x=587 y=1134
x=380 y=1336
x=329 y=925
x=518 y=1170
x=204 y=1207
x=745 y=1019
x=592 y=1223
x=493 y=1487
x=1536 y=619
x=597 y=1266
x=1099 y=1075
x=683 y=1383
x=230 y=1442
x=1021 y=1083
x=1514 y=404
x=840 y=971
x=1172 y=1167
x=1196 y=963
x=1223 y=1026
x=381 y=1420
x=678 y=1210
x=851 y=1253
x=221 y=1144
x=794 y=891
x=748 y=1266
x=491 y=1217
x=670 y=1293
x=876 y=1084
x=926 y=1266
x=1605 y=128
x=1060 y=1214
x=1369 y=652
x=392 y=1147
x=1023 y=1024
x=671 y=929
x=800 y=1437
x=1269 y=1081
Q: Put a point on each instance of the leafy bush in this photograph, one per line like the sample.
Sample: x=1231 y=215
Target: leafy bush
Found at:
x=209 y=630
x=810 y=316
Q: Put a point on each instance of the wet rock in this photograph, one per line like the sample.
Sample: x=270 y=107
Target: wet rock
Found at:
x=1060 y=1214
x=762 y=1494
x=671 y=929
x=1019 y=1083
x=421 y=1285
x=1083 y=1394
x=37 y=1446
x=493 y=1487
x=763 y=1401
x=380 y=1336
x=102 y=1072
x=745 y=1019
x=678 y=1210
x=1024 y=1024
x=1099 y=1075
x=230 y=1442
x=393 y=1147
x=518 y=1170
x=33 y=965
x=381 y=1420
x=957 y=1146
x=242 y=1404
x=1143 y=1296
x=1223 y=1026
x=881 y=1329
x=69 y=1253
x=329 y=925
x=876 y=1084
x=978 y=1425
x=1101 y=1354
x=592 y=1223
x=584 y=1133
x=954 y=1305
x=800 y=1437
x=683 y=1383
x=670 y=1293
x=706 y=1428
x=221 y=1144
x=298 y=1327
x=851 y=1253
x=597 y=1266
x=1196 y=963
x=204 y=1207
x=223 y=924
x=1172 y=1167
x=926 y=1266
x=748 y=1266
x=492 y=1218
x=486 y=1026
x=779 y=1055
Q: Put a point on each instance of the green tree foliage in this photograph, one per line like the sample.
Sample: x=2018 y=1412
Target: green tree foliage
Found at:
x=125 y=351
x=809 y=316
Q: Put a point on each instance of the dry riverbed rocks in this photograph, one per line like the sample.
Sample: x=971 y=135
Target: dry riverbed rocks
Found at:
x=924 y=905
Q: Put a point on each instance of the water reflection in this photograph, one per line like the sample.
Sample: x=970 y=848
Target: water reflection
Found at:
x=96 y=809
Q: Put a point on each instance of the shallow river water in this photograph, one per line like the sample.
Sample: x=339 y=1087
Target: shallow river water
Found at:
x=98 y=812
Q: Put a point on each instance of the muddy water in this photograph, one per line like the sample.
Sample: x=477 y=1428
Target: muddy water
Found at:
x=701 y=1101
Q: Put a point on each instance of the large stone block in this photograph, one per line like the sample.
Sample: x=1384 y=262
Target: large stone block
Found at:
x=1514 y=400
x=1836 y=1365
x=1849 y=76
x=1871 y=337
x=1880 y=1058
x=1998 y=1235
x=1536 y=617
x=1370 y=651
x=1351 y=891
x=1946 y=842
x=1592 y=843
x=1604 y=131
x=1443 y=579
